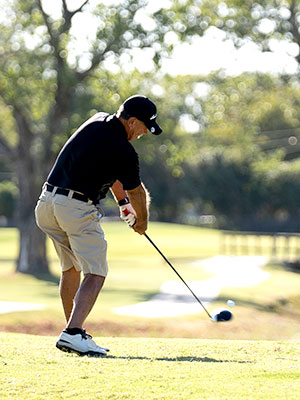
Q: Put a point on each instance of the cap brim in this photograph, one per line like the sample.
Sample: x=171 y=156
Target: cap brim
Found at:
x=154 y=128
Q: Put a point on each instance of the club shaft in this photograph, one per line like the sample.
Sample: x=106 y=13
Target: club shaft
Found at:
x=177 y=273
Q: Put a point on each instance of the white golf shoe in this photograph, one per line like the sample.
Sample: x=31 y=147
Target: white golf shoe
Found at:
x=81 y=344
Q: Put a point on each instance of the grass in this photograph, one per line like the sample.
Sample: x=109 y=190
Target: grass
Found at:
x=150 y=369
x=269 y=310
x=152 y=359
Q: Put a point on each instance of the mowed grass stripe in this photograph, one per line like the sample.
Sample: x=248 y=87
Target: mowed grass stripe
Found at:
x=143 y=368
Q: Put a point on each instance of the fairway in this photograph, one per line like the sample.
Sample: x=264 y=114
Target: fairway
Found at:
x=150 y=369
x=136 y=274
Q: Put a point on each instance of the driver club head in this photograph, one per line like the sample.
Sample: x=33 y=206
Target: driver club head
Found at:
x=221 y=315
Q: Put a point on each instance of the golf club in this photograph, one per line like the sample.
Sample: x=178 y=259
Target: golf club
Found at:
x=218 y=315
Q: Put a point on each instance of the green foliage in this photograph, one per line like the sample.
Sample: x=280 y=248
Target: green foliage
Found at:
x=222 y=172
x=283 y=184
x=246 y=110
x=8 y=198
x=248 y=192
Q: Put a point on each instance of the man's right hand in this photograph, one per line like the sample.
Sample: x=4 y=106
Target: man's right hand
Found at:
x=139 y=228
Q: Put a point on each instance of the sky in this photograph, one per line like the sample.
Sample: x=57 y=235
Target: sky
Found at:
x=206 y=54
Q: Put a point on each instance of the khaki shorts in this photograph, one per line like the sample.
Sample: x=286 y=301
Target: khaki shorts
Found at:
x=74 y=227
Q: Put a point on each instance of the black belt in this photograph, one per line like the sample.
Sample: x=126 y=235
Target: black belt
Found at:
x=66 y=192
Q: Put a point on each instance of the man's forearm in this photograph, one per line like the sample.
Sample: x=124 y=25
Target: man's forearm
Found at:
x=118 y=192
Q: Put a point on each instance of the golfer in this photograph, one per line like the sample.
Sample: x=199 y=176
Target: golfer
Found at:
x=96 y=158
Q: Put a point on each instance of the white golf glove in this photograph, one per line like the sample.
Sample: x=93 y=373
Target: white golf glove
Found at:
x=128 y=214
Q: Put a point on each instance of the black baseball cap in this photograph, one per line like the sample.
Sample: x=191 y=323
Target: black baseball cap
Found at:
x=143 y=109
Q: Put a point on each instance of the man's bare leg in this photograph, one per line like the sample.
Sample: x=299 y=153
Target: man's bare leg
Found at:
x=85 y=299
x=69 y=285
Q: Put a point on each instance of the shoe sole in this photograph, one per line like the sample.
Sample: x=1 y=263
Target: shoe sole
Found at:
x=67 y=349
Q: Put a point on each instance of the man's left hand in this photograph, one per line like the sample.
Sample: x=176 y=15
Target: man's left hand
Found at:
x=128 y=214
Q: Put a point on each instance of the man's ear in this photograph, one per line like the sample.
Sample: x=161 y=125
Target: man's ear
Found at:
x=131 y=121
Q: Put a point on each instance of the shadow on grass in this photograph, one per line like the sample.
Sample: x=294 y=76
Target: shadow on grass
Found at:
x=180 y=359
x=47 y=278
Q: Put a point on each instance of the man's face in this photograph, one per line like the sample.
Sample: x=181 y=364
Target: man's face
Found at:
x=137 y=129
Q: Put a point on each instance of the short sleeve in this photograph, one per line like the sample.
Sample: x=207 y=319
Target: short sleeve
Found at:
x=129 y=173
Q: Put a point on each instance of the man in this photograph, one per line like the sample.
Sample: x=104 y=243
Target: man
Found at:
x=98 y=156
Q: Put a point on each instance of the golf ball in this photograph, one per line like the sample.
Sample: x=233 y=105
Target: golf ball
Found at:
x=230 y=303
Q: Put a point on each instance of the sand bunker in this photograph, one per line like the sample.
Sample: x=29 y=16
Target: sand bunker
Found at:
x=13 y=306
x=171 y=301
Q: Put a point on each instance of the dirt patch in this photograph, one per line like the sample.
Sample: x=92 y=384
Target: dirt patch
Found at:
x=103 y=328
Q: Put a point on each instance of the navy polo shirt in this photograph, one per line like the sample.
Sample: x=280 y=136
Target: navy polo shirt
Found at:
x=94 y=157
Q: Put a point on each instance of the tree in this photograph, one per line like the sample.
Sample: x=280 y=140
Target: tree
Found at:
x=44 y=94
x=46 y=90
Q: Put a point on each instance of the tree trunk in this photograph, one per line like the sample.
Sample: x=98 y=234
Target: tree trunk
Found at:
x=32 y=252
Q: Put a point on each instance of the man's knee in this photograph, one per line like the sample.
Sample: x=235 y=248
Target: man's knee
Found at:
x=71 y=271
